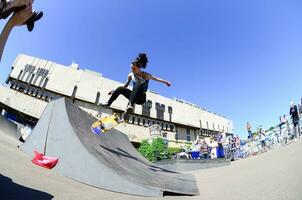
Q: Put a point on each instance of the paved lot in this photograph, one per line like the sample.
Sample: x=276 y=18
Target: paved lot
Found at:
x=271 y=176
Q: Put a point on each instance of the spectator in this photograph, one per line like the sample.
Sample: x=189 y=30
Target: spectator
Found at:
x=204 y=149
x=213 y=145
x=237 y=142
x=249 y=130
x=293 y=111
x=182 y=155
x=300 y=108
x=220 y=150
x=233 y=143
x=262 y=137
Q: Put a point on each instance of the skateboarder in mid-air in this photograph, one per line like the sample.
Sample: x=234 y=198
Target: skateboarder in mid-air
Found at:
x=140 y=80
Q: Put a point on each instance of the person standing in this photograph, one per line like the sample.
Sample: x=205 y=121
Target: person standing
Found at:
x=293 y=111
x=220 y=150
x=249 y=130
x=204 y=149
x=262 y=138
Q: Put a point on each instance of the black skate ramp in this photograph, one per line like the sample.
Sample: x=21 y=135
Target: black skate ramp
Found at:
x=108 y=161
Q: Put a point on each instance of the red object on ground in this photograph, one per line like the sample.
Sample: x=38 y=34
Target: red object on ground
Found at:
x=43 y=161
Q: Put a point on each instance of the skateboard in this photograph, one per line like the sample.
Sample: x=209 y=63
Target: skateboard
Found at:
x=105 y=124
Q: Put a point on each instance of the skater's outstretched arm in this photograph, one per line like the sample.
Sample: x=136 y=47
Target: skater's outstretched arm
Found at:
x=151 y=77
x=17 y=19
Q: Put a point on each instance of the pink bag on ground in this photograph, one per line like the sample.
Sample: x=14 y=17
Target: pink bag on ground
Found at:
x=43 y=161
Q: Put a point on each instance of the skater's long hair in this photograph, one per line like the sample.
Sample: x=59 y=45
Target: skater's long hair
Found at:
x=141 y=60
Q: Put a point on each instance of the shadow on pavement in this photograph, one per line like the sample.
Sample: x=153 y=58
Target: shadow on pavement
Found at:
x=13 y=191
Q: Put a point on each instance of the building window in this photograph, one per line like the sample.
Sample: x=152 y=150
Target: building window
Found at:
x=29 y=68
x=45 y=72
x=188 y=135
x=170 y=111
x=160 y=109
x=166 y=126
x=165 y=134
x=97 y=99
x=133 y=120
x=144 y=122
x=149 y=122
x=146 y=108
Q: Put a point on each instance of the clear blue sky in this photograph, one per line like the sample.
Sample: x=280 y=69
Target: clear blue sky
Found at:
x=242 y=59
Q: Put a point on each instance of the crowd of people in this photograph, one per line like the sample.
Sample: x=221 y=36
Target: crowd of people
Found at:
x=288 y=128
x=218 y=146
x=233 y=147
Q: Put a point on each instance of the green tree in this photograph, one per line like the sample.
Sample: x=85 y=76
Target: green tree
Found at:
x=154 y=151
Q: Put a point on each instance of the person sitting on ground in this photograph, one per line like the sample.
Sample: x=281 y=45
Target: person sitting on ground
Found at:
x=7 y=7
x=182 y=154
x=140 y=80
x=17 y=19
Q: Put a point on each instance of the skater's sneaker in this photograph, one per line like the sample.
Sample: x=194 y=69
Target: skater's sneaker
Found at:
x=129 y=109
x=30 y=23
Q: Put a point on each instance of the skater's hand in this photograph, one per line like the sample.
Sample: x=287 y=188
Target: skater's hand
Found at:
x=168 y=84
x=20 y=17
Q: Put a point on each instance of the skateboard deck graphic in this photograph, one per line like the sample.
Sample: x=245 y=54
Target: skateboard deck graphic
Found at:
x=106 y=124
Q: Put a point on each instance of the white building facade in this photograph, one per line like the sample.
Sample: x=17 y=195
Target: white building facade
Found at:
x=33 y=82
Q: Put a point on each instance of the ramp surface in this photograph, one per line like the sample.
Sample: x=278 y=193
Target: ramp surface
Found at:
x=107 y=161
